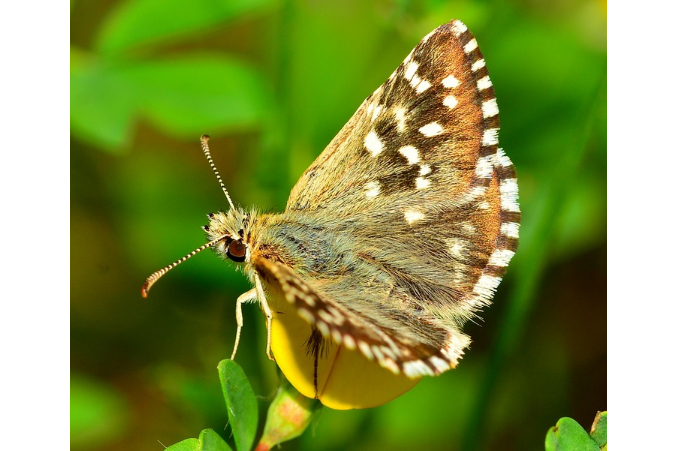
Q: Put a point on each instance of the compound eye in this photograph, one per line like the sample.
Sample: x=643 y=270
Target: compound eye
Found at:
x=237 y=251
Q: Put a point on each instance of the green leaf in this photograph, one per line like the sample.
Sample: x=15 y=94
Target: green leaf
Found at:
x=599 y=430
x=241 y=403
x=288 y=416
x=186 y=96
x=568 y=435
x=102 y=103
x=211 y=441
x=183 y=97
x=190 y=444
x=149 y=21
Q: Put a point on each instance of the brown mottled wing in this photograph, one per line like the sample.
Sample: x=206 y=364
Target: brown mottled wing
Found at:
x=417 y=182
x=401 y=340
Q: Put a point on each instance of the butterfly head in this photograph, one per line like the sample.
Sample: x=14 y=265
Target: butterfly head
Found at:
x=230 y=233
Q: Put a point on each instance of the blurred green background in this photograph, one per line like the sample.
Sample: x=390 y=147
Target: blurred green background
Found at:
x=272 y=82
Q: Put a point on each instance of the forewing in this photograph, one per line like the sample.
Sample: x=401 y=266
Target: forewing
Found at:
x=418 y=183
x=427 y=135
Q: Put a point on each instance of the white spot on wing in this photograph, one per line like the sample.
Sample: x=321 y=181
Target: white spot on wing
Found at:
x=468 y=227
x=417 y=368
x=338 y=317
x=425 y=169
x=440 y=364
x=372 y=189
x=413 y=215
x=308 y=300
x=450 y=101
x=431 y=129
x=490 y=137
x=484 y=167
x=478 y=65
x=335 y=334
x=419 y=84
x=303 y=313
x=510 y=229
x=373 y=143
x=457 y=247
x=500 y=257
x=458 y=28
x=387 y=352
x=376 y=112
x=423 y=86
x=421 y=183
x=503 y=159
x=349 y=342
x=509 y=192
x=390 y=365
x=450 y=82
x=400 y=115
x=484 y=83
x=475 y=193
x=411 y=68
x=411 y=154
x=326 y=316
x=486 y=285
x=489 y=108
x=365 y=349
x=470 y=46
x=323 y=328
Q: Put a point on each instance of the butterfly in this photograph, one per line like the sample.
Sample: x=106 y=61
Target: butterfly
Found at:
x=399 y=232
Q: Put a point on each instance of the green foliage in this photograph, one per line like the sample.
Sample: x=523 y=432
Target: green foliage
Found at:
x=129 y=26
x=599 y=430
x=288 y=416
x=241 y=403
x=568 y=435
x=113 y=87
x=178 y=95
x=207 y=441
x=290 y=413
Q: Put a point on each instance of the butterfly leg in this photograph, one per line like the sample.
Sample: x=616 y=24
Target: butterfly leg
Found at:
x=267 y=311
x=244 y=297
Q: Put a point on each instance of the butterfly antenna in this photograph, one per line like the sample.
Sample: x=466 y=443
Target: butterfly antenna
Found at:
x=154 y=277
x=205 y=148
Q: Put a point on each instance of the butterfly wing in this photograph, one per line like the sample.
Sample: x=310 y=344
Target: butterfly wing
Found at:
x=400 y=339
x=429 y=201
